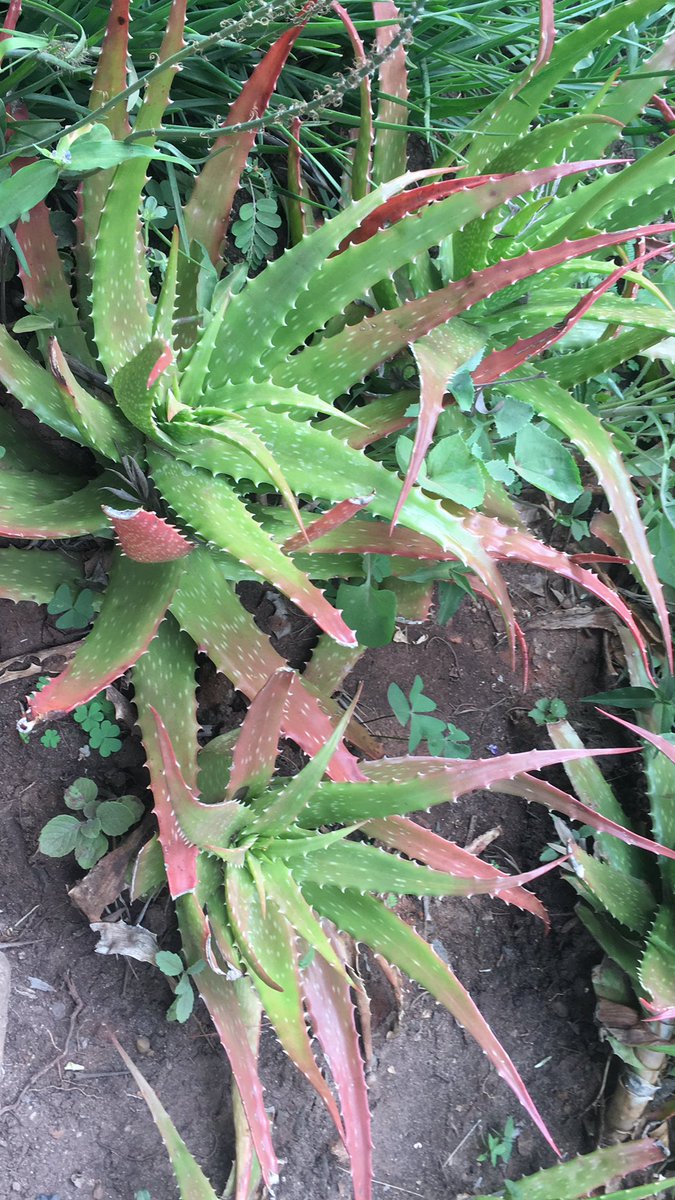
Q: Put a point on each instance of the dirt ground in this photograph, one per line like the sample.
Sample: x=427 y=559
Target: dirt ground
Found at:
x=434 y=1097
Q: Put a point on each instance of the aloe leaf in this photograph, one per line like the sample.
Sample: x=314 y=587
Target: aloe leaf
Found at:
x=370 y=921
x=511 y=113
x=591 y=786
x=362 y=160
x=101 y=427
x=120 y=282
x=34 y=387
x=336 y=282
x=512 y=543
x=329 y=521
x=34 y=488
x=357 y=867
x=298 y=207
x=192 y=1183
x=277 y=814
x=45 y=287
x=625 y=898
x=415 y=841
x=331 y=1012
x=586 y=431
x=270 y=941
x=134 y=604
x=391 y=134
x=207 y=212
x=146 y=537
x=657 y=968
x=662 y=743
x=500 y=362
x=36 y=574
x=61 y=517
x=110 y=79
x=165 y=312
x=283 y=891
x=587 y=1172
x=233 y=1012
x=255 y=753
x=333 y=365
x=148 y=874
x=626 y=100
x=329 y=666
x=439 y=356
x=213 y=510
x=207 y=606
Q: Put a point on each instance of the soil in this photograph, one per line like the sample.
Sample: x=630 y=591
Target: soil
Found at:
x=434 y=1097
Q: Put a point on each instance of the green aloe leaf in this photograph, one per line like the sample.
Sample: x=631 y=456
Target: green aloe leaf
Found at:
x=586 y=1173
x=370 y=921
x=192 y=1183
x=628 y=900
x=36 y=574
x=657 y=968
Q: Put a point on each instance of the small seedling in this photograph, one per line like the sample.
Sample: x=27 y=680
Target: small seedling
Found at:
x=442 y=737
x=104 y=734
x=50 y=739
x=572 y=520
x=173 y=967
x=546 y=711
x=500 y=1145
x=86 y=835
x=76 y=609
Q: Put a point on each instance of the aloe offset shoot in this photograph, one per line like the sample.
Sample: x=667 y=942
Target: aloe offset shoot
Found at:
x=229 y=421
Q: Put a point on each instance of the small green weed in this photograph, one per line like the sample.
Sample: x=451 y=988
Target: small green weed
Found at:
x=103 y=733
x=50 y=739
x=173 y=967
x=500 y=1145
x=86 y=835
x=547 y=710
x=76 y=609
x=442 y=737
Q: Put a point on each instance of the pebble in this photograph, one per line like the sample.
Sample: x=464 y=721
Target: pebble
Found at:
x=143 y=1045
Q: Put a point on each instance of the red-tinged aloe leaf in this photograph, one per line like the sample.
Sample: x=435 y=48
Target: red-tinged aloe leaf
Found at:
x=587 y=432
x=69 y=516
x=45 y=287
x=120 y=279
x=331 y=367
x=391 y=137
x=207 y=606
x=605 y=526
x=439 y=356
x=11 y=17
x=257 y=747
x=134 y=604
x=34 y=387
x=588 y=1172
x=537 y=790
x=271 y=940
x=212 y=508
x=361 y=164
x=370 y=921
x=417 y=842
x=207 y=212
x=327 y=523
x=513 y=543
x=145 y=536
x=110 y=79
x=180 y=814
x=232 y=1011
x=500 y=362
x=468 y=775
x=101 y=427
x=192 y=1183
x=545 y=46
x=331 y=1011
x=36 y=574
x=662 y=743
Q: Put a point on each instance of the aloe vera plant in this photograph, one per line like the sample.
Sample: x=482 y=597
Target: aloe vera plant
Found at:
x=629 y=908
x=212 y=393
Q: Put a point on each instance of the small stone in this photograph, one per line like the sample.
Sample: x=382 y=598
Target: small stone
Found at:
x=560 y=1008
x=16 y=1187
x=77 y=1180
x=143 y=1045
x=98 y=1192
